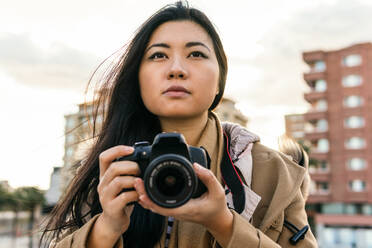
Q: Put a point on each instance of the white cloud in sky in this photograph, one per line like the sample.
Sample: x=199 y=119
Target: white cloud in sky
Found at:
x=31 y=131
x=48 y=50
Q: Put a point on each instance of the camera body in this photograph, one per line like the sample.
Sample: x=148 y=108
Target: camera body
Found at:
x=166 y=169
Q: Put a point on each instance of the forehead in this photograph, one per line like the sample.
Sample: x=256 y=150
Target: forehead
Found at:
x=180 y=32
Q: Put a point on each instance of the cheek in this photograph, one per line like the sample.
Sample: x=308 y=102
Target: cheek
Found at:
x=146 y=83
x=209 y=81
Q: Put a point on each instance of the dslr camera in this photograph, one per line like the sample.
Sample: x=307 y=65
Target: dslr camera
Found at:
x=166 y=169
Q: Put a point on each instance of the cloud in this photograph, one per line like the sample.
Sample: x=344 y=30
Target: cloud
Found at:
x=327 y=26
x=57 y=66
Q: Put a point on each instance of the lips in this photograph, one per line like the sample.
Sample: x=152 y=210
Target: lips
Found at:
x=176 y=88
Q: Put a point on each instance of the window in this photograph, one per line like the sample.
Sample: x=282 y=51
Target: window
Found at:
x=320 y=166
x=322 y=125
x=357 y=185
x=356 y=163
x=99 y=119
x=320 y=85
x=352 y=60
x=354 y=122
x=298 y=134
x=323 y=145
x=70 y=138
x=353 y=101
x=69 y=152
x=355 y=143
x=321 y=105
x=323 y=165
x=367 y=209
x=322 y=187
x=351 y=80
x=70 y=123
x=350 y=209
x=296 y=117
x=319 y=187
x=319 y=66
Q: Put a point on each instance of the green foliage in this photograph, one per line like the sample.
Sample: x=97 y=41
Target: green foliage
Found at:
x=28 y=197
x=24 y=198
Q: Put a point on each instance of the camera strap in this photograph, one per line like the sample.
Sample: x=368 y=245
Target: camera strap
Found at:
x=231 y=177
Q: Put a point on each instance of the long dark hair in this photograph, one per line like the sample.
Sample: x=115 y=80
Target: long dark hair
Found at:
x=125 y=121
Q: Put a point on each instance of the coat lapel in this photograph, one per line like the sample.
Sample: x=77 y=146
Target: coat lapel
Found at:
x=283 y=179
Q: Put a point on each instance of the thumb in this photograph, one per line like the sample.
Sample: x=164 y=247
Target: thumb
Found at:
x=208 y=178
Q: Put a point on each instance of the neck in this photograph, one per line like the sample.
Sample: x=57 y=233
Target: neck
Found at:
x=190 y=128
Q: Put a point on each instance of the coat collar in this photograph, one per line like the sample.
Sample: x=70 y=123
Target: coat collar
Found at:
x=276 y=179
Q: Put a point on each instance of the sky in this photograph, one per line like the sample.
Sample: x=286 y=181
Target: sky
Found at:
x=49 y=49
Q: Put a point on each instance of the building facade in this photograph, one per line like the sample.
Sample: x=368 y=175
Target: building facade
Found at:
x=338 y=129
x=295 y=126
x=78 y=139
x=53 y=194
x=227 y=111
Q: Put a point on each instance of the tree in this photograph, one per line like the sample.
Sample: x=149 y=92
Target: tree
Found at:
x=28 y=198
x=3 y=197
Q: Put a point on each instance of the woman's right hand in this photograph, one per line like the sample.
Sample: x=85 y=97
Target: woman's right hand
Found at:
x=114 y=177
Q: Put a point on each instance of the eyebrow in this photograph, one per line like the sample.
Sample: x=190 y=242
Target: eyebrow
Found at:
x=188 y=44
x=196 y=43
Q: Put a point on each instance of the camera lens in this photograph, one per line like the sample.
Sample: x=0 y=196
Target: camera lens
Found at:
x=170 y=182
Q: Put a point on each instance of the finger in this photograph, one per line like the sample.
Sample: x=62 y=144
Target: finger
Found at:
x=106 y=157
x=140 y=188
x=119 y=168
x=123 y=199
x=209 y=180
x=118 y=185
x=147 y=203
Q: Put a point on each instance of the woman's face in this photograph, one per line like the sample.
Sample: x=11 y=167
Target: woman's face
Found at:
x=179 y=71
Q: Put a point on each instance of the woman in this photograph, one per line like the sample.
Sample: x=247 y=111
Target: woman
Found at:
x=169 y=80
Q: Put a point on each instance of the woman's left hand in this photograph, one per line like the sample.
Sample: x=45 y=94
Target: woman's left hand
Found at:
x=209 y=210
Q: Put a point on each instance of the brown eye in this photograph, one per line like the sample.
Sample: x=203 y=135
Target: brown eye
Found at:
x=157 y=55
x=197 y=54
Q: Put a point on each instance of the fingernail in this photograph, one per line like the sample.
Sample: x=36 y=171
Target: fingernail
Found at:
x=137 y=181
x=129 y=148
x=197 y=166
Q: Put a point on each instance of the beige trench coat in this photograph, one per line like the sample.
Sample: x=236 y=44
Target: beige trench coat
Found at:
x=276 y=179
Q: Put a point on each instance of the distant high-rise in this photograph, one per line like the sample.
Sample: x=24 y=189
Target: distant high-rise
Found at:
x=227 y=111
x=295 y=126
x=54 y=192
x=339 y=131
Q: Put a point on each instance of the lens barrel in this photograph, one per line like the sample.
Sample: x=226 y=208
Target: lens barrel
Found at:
x=170 y=180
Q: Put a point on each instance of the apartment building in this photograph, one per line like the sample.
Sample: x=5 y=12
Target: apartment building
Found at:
x=338 y=128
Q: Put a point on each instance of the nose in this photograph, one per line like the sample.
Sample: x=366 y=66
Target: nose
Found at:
x=177 y=70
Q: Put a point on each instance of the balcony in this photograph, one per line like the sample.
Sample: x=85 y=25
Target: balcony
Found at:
x=312 y=76
x=310 y=57
x=320 y=174
x=319 y=196
x=315 y=135
x=313 y=96
x=318 y=155
x=315 y=115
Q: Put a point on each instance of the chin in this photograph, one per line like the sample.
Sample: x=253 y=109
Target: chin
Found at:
x=181 y=115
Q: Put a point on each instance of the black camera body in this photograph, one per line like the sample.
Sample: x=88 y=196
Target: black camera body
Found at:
x=166 y=169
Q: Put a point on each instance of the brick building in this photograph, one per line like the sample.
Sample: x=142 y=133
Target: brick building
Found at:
x=338 y=128
x=295 y=126
x=227 y=111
